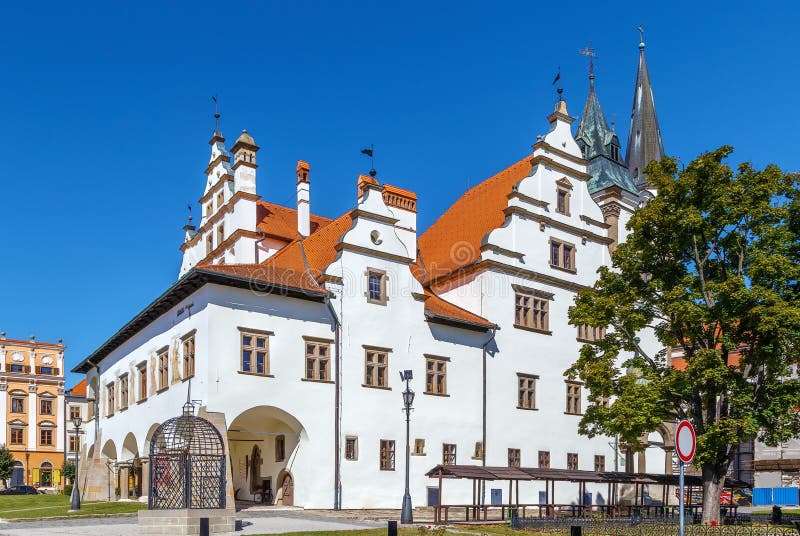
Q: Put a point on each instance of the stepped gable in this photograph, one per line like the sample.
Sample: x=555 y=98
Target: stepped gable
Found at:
x=454 y=240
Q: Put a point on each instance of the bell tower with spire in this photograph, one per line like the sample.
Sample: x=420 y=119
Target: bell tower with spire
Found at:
x=644 y=138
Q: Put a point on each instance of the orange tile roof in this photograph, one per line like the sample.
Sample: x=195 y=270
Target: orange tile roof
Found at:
x=281 y=222
x=320 y=247
x=437 y=306
x=79 y=389
x=454 y=240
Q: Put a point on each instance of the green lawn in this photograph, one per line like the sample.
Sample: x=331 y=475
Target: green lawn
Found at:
x=490 y=530
x=17 y=506
x=794 y=511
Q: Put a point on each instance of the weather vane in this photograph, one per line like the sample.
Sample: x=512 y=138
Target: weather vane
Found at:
x=589 y=53
x=216 y=113
x=641 y=34
x=560 y=89
x=370 y=153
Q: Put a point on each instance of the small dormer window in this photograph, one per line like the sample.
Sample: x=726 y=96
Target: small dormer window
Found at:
x=614 y=152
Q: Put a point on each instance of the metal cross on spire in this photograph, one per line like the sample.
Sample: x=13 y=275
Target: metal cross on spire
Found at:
x=641 y=34
x=589 y=53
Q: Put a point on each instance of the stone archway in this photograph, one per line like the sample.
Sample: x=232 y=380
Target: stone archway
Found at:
x=285 y=490
x=263 y=442
x=130 y=469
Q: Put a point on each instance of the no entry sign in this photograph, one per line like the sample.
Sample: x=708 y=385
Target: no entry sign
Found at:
x=685 y=441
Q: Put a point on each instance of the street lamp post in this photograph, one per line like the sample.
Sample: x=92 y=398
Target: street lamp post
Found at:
x=406 y=515
x=76 y=493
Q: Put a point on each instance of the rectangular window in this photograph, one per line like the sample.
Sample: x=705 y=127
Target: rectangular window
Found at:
x=435 y=376
x=449 y=453
x=599 y=463
x=478 y=454
x=514 y=456
x=220 y=233
x=351 y=448
x=587 y=333
x=143 y=382
x=123 y=391
x=17 y=368
x=376 y=286
x=562 y=255
x=280 y=448
x=110 y=403
x=419 y=447
x=209 y=243
x=387 y=455
x=220 y=199
x=376 y=364
x=318 y=360
x=46 y=437
x=17 y=436
x=255 y=353
x=603 y=401
x=45 y=406
x=209 y=209
x=163 y=369
x=526 y=384
x=544 y=459
x=572 y=461
x=188 y=357
x=532 y=309
x=573 y=398
x=74 y=412
x=562 y=202
x=74 y=443
x=17 y=405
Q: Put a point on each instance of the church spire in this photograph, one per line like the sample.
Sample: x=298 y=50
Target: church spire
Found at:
x=644 y=138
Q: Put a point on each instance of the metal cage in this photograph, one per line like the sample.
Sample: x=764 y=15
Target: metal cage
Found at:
x=187 y=464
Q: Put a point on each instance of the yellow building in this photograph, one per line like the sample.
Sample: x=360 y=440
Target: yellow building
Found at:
x=32 y=404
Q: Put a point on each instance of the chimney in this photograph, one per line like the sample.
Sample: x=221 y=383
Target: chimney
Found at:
x=303 y=198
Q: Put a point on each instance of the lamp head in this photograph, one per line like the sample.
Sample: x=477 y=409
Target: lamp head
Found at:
x=76 y=422
x=408 y=397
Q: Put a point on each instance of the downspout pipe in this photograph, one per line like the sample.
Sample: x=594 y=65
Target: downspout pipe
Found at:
x=483 y=436
x=337 y=473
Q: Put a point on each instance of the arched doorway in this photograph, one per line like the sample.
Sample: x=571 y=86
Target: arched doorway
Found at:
x=130 y=478
x=45 y=478
x=285 y=491
x=263 y=442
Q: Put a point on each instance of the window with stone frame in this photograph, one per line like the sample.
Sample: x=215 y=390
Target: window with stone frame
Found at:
x=435 y=375
x=17 y=436
x=526 y=384
x=602 y=401
x=387 y=455
x=572 y=461
x=17 y=405
x=573 y=398
x=318 y=359
x=74 y=443
x=376 y=363
x=142 y=381
x=587 y=333
x=562 y=201
x=45 y=406
x=351 y=448
x=110 y=400
x=74 y=412
x=478 y=453
x=209 y=243
x=448 y=453
x=599 y=463
x=280 y=448
x=255 y=352
x=376 y=286
x=532 y=309
x=163 y=369
x=514 y=457
x=220 y=233
x=562 y=255
x=123 y=392
x=220 y=199
x=188 y=356
x=544 y=459
x=46 y=437
x=419 y=447
x=209 y=209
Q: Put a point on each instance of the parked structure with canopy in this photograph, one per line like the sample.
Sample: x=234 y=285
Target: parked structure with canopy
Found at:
x=478 y=510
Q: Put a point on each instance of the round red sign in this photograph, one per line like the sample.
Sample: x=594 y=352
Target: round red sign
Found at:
x=685 y=441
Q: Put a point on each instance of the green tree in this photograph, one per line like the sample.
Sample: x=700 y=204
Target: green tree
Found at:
x=68 y=471
x=6 y=464
x=711 y=265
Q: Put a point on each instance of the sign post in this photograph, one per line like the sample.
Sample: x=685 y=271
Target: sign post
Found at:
x=685 y=445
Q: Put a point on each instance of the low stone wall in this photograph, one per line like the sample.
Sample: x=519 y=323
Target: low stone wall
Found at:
x=185 y=522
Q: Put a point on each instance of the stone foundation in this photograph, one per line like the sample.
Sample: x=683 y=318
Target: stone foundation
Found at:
x=185 y=522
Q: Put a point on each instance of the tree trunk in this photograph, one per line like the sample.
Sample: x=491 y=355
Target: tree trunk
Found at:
x=713 y=482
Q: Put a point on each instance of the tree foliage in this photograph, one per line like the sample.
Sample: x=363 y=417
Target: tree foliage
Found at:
x=710 y=268
x=68 y=470
x=6 y=463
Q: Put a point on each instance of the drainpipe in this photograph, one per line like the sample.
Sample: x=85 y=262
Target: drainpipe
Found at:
x=337 y=473
x=483 y=437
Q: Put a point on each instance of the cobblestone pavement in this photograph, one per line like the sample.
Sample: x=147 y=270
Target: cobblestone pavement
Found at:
x=253 y=522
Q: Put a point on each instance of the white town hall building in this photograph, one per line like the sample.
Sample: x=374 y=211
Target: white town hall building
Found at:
x=292 y=327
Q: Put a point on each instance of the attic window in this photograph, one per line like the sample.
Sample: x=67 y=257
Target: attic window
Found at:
x=614 y=152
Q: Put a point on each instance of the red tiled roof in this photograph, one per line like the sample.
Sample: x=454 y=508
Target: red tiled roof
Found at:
x=79 y=389
x=281 y=222
x=437 y=306
x=320 y=247
x=454 y=240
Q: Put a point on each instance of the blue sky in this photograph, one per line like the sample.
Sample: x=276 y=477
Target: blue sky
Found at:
x=106 y=115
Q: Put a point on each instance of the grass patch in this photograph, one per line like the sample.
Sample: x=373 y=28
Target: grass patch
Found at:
x=491 y=530
x=793 y=511
x=40 y=506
